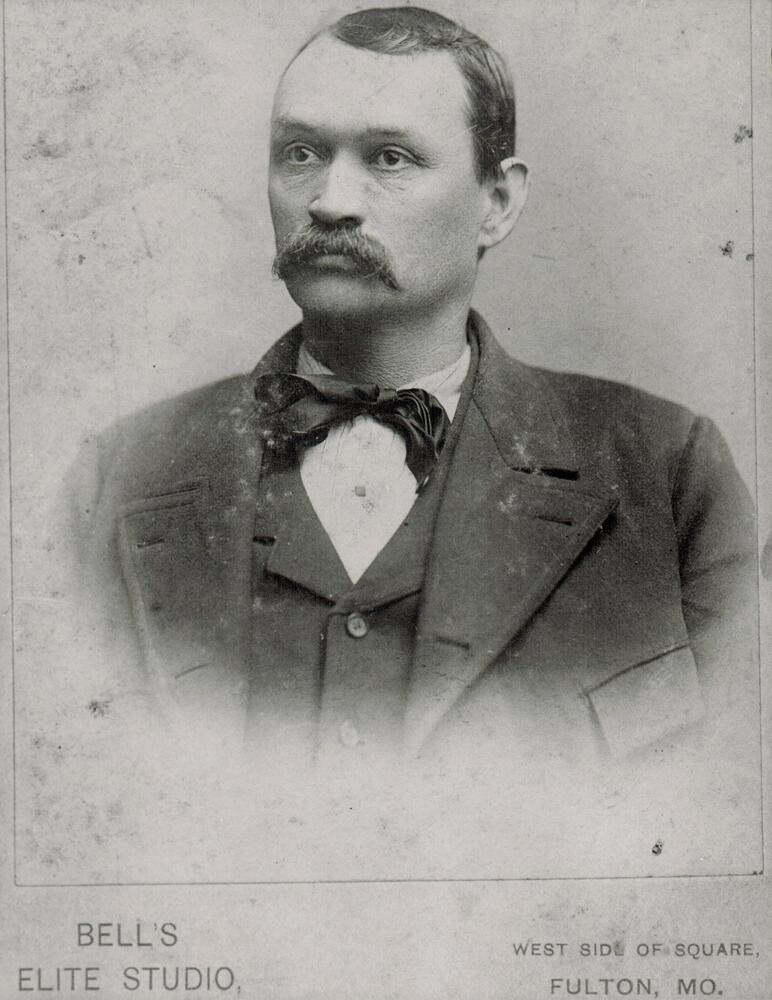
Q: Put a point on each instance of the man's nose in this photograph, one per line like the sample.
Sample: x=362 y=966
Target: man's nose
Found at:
x=340 y=196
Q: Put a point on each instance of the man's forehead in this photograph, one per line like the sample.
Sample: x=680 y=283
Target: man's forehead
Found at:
x=331 y=84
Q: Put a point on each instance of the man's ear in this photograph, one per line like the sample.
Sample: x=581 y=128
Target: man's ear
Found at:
x=506 y=197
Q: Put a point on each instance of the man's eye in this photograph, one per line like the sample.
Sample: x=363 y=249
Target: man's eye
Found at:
x=392 y=159
x=300 y=155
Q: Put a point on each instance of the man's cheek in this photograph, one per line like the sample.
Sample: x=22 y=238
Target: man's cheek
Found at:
x=452 y=221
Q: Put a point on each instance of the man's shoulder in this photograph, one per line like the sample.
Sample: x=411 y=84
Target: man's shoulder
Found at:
x=165 y=441
x=602 y=418
x=592 y=411
x=649 y=446
x=199 y=410
x=193 y=421
x=597 y=398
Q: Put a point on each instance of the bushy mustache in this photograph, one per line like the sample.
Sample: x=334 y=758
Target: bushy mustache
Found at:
x=315 y=240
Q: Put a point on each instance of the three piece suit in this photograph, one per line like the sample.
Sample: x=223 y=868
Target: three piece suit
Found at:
x=571 y=594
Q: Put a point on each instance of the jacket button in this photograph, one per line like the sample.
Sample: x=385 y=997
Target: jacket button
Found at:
x=356 y=625
x=348 y=734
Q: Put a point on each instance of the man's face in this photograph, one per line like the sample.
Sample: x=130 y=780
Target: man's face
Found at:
x=377 y=145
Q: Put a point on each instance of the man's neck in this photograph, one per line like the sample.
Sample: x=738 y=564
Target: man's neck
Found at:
x=384 y=352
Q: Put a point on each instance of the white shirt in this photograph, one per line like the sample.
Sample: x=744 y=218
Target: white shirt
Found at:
x=357 y=479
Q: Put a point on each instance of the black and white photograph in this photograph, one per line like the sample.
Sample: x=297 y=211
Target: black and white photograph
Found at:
x=388 y=405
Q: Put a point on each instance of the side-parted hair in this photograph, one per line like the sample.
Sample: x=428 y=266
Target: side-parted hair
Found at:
x=411 y=30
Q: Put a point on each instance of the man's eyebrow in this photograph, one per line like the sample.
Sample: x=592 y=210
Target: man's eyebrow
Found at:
x=286 y=124
x=282 y=121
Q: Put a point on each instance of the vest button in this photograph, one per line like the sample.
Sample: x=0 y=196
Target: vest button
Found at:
x=356 y=625
x=348 y=734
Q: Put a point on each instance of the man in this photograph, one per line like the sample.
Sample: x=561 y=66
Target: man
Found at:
x=392 y=542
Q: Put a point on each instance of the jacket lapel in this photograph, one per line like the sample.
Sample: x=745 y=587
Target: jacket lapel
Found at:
x=502 y=542
x=515 y=515
x=186 y=551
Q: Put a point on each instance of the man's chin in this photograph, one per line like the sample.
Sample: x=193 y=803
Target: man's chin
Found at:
x=334 y=291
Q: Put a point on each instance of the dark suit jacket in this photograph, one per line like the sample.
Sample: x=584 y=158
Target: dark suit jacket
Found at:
x=588 y=597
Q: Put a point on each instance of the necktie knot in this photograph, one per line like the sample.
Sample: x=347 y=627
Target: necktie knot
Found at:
x=303 y=408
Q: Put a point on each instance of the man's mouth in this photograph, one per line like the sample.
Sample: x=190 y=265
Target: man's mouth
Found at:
x=335 y=261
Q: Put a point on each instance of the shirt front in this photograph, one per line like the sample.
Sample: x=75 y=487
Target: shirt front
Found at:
x=357 y=479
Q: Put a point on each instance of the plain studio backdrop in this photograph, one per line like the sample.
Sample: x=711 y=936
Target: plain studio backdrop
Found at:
x=140 y=241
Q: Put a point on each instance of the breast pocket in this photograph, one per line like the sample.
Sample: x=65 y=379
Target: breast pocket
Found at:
x=648 y=701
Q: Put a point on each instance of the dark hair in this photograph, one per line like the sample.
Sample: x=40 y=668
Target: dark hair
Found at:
x=407 y=30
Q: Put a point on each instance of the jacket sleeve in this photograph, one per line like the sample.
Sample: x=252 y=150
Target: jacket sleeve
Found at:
x=716 y=529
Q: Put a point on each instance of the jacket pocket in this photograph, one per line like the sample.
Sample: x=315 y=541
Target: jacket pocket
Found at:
x=170 y=578
x=649 y=700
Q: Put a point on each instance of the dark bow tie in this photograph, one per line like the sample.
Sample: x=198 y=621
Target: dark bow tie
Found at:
x=305 y=407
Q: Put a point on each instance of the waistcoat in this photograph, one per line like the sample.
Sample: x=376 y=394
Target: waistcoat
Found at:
x=331 y=659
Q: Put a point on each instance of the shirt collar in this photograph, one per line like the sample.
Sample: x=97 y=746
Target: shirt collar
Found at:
x=444 y=384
